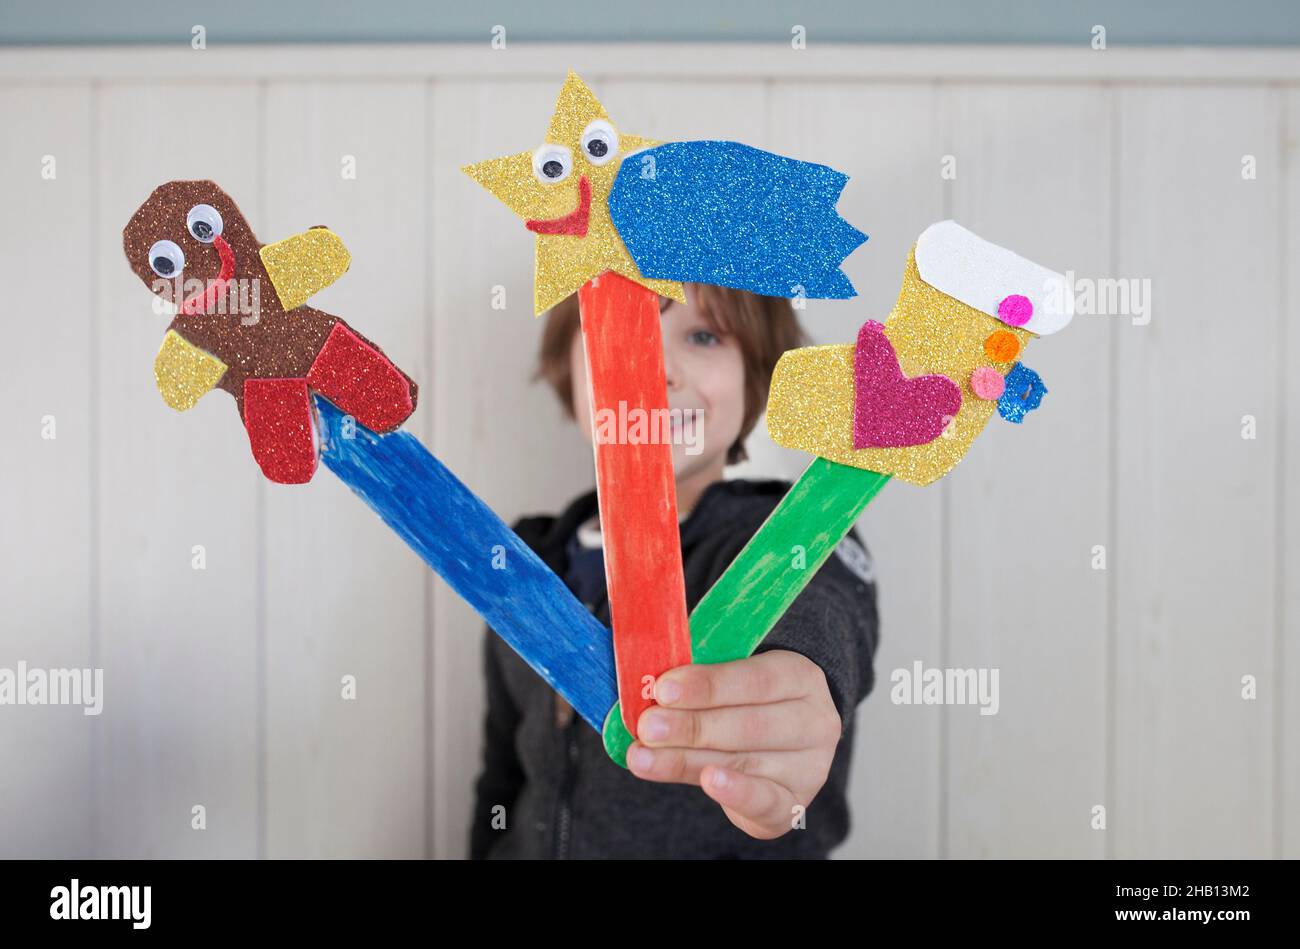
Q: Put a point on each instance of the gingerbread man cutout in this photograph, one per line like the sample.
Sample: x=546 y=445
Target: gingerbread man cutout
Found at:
x=243 y=326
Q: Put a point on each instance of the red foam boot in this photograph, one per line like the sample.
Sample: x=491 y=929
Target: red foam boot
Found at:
x=277 y=414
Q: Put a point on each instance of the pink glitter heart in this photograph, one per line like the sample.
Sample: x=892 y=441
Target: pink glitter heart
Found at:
x=891 y=410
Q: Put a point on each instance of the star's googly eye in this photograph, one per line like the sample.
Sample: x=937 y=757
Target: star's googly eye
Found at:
x=552 y=163
x=204 y=222
x=599 y=142
x=166 y=258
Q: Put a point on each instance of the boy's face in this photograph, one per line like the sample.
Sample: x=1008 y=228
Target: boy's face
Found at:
x=706 y=381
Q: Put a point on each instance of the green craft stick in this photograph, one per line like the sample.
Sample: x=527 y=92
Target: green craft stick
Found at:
x=755 y=591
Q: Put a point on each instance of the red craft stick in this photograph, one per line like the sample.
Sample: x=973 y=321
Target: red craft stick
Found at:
x=635 y=488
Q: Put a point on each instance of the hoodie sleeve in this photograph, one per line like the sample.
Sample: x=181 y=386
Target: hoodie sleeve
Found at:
x=834 y=622
x=501 y=777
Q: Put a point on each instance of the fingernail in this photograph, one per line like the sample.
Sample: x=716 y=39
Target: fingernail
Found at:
x=719 y=778
x=654 y=728
x=640 y=758
x=668 y=692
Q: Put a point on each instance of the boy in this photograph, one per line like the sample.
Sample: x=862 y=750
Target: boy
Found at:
x=737 y=760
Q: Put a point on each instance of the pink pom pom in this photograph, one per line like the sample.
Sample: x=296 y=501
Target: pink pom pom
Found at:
x=987 y=383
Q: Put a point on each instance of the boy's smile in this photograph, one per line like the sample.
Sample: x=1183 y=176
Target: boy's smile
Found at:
x=705 y=375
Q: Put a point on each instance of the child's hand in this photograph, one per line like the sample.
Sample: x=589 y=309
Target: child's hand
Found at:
x=765 y=726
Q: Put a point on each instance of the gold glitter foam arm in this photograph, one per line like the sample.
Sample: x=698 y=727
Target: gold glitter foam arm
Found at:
x=184 y=372
x=305 y=264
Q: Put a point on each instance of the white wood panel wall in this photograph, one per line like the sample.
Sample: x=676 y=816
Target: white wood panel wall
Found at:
x=1120 y=687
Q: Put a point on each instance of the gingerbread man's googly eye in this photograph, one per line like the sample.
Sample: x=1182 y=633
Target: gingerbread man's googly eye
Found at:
x=166 y=258
x=204 y=222
x=599 y=142
x=552 y=163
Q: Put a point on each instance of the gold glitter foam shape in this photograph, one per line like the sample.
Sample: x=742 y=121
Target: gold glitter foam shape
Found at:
x=305 y=264
x=184 y=372
x=810 y=405
x=564 y=262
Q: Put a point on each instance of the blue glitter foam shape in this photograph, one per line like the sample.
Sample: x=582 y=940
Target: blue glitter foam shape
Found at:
x=1022 y=394
x=728 y=214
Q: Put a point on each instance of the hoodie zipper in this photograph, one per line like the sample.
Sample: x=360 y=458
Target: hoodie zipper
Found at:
x=562 y=823
x=564 y=817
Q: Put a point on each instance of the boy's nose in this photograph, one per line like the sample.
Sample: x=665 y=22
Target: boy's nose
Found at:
x=671 y=376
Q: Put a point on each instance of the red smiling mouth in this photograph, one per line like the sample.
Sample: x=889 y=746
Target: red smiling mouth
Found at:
x=204 y=300
x=575 y=222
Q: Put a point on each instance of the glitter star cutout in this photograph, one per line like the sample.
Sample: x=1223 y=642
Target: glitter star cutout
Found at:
x=561 y=190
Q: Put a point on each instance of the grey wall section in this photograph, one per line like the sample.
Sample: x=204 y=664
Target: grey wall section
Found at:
x=1127 y=23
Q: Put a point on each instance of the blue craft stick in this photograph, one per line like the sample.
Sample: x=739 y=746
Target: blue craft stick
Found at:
x=459 y=536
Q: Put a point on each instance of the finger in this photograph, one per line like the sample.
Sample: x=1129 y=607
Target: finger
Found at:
x=683 y=765
x=784 y=726
x=774 y=676
x=759 y=806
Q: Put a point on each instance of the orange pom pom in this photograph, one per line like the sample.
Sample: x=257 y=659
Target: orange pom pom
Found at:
x=1001 y=346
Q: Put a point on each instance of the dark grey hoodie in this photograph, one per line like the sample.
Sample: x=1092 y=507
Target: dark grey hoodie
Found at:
x=564 y=798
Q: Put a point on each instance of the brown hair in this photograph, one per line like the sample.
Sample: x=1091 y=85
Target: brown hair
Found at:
x=764 y=328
